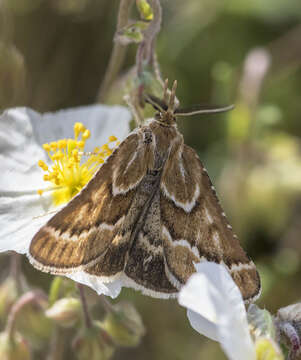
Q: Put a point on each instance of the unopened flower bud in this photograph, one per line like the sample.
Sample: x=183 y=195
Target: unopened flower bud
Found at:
x=124 y=325
x=288 y=324
x=34 y=325
x=93 y=344
x=261 y=323
x=65 y=312
x=13 y=347
x=8 y=295
x=145 y=10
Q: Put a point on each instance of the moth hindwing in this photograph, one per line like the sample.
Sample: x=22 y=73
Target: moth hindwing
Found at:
x=148 y=215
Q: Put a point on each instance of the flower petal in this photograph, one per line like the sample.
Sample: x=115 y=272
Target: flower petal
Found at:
x=212 y=295
x=202 y=325
x=19 y=153
x=98 y=284
x=21 y=216
x=19 y=181
x=102 y=121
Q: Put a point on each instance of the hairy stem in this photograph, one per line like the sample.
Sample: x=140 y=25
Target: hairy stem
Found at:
x=118 y=52
x=106 y=304
x=27 y=298
x=87 y=317
x=56 y=348
x=7 y=26
x=15 y=269
x=146 y=48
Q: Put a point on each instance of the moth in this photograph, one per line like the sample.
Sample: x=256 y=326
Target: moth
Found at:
x=148 y=214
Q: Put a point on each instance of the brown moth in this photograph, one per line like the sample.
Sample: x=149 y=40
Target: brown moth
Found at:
x=148 y=215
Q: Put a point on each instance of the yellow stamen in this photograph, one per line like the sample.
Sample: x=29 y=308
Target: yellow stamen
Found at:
x=69 y=173
x=81 y=144
x=42 y=165
x=62 y=144
x=112 y=138
x=53 y=146
x=46 y=147
x=78 y=128
x=71 y=145
x=105 y=147
x=58 y=155
x=86 y=134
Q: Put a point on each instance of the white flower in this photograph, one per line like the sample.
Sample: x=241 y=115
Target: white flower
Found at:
x=216 y=310
x=22 y=132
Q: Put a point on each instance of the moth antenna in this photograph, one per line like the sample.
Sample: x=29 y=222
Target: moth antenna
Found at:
x=203 y=109
x=47 y=213
x=165 y=91
x=171 y=104
x=156 y=103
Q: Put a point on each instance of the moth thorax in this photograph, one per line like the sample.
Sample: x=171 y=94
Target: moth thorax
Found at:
x=166 y=117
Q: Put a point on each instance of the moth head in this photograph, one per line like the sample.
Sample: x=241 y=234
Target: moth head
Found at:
x=167 y=108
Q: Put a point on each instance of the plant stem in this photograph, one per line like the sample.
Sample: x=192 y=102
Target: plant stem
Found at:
x=87 y=317
x=15 y=269
x=27 y=298
x=55 y=289
x=146 y=48
x=106 y=304
x=146 y=52
x=118 y=52
x=7 y=26
x=56 y=348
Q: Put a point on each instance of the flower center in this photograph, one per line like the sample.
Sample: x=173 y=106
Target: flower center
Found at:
x=69 y=174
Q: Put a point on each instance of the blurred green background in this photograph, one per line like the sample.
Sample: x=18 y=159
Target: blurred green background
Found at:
x=53 y=55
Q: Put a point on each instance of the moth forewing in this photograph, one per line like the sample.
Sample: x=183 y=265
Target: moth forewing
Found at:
x=78 y=235
x=194 y=226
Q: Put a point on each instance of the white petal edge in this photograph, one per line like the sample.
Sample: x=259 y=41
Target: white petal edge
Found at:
x=102 y=121
x=202 y=325
x=211 y=294
x=20 y=218
x=101 y=286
